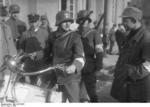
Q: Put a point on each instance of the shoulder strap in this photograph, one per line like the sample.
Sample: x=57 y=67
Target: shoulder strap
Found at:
x=85 y=35
x=67 y=33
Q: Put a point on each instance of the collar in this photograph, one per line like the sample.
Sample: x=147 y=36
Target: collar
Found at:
x=34 y=29
x=137 y=37
x=12 y=18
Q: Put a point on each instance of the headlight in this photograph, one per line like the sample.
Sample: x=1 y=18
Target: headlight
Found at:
x=12 y=63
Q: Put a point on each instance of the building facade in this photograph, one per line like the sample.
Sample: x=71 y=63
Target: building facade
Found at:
x=51 y=7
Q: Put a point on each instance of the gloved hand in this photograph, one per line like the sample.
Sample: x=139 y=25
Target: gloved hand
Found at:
x=132 y=71
x=71 y=69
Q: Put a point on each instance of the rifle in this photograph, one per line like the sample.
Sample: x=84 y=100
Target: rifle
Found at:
x=99 y=22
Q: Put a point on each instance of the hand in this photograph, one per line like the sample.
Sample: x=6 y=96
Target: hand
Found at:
x=27 y=79
x=71 y=69
x=132 y=71
x=33 y=55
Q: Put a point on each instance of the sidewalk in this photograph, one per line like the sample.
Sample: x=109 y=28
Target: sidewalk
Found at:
x=104 y=82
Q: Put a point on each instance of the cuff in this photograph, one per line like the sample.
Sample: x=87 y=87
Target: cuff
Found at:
x=79 y=63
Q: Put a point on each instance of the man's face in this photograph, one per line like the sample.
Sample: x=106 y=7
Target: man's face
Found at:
x=35 y=24
x=15 y=15
x=66 y=26
x=44 y=22
x=128 y=23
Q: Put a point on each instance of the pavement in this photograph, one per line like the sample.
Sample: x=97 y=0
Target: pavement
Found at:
x=104 y=82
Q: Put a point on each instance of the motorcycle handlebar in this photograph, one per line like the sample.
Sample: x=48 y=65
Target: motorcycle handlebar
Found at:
x=13 y=63
x=51 y=68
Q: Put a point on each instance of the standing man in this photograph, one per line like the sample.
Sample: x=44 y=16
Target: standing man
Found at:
x=17 y=26
x=34 y=41
x=45 y=23
x=67 y=50
x=6 y=40
x=112 y=38
x=120 y=36
x=93 y=49
x=132 y=72
x=7 y=47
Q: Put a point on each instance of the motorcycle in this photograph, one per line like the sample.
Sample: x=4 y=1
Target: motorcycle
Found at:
x=12 y=91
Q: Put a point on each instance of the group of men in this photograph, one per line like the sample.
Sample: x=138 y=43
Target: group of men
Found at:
x=80 y=51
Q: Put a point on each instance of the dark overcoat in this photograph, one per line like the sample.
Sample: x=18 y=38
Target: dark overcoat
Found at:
x=17 y=27
x=131 y=78
x=67 y=46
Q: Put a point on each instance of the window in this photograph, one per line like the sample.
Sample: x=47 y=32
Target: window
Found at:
x=1 y=2
x=71 y=8
x=68 y=5
x=4 y=2
x=63 y=4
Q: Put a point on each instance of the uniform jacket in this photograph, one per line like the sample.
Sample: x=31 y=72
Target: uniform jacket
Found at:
x=66 y=48
x=32 y=41
x=17 y=27
x=7 y=46
x=90 y=39
x=129 y=71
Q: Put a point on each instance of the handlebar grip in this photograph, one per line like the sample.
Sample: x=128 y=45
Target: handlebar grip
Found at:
x=38 y=72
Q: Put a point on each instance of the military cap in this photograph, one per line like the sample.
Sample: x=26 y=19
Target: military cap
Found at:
x=132 y=12
x=84 y=15
x=3 y=11
x=33 y=17
x=14 y=8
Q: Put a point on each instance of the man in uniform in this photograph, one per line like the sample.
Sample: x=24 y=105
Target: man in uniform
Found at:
x=17 y=26
x=67 y=50
x=7 y=46
x=131 y=78
x=45 y=23
x=34 y=41
x=93 y=49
